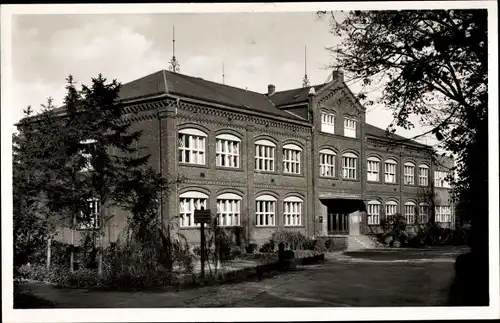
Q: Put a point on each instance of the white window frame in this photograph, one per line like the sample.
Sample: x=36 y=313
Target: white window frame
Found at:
x=423 y=176
x=389 y=207
x=327 y=161
x=373 y=212
x=265 y=211
x=443 y=214
x=292 y=211
x=409 y=173
x=188 y=202
x=390 y=171
x=440 y=179
x=227 y=151
x=88 y=157
x=265 y=153
x=328 y=122
x=373 y=169
x=229 y=210
x=195 y=149
x=350 y=127
x=347 y=169
x=410 y=212
x=93 y=216
x=422 y=213
x=292 y=155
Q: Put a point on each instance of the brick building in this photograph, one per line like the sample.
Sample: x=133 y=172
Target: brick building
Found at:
x=301 y=159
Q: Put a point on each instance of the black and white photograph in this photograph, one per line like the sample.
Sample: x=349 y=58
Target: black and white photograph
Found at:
x=280 y=161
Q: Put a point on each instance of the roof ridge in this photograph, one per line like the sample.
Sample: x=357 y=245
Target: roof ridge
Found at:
x=165 y=80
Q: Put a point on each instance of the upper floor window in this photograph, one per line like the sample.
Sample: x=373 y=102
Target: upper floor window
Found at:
x=328 y=122
x=373 y=169
x=391 y=208
x=87 y=146
x=228 y=210
x=90 y=216
x=443 y=213
x=264 y=155
x=390 y=170
x=349 y=127
x=441 y=179
x=410 y=212
x=265 y=211
x=192 y=146
x=423 y=212
x=188 y=202
x=292 y=211
x=423 y=175
x=327 y=163
x=409 y=173
x=349 y=162
x=291 y=159
x=227 y=150
x=373 y=211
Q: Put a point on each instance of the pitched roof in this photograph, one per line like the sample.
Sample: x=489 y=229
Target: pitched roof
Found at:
x=293 y=96
x=374 y=131
x=166 y=82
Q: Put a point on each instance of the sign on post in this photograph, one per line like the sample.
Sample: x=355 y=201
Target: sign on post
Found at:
x=202 y=216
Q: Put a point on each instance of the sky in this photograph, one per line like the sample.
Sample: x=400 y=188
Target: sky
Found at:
x=256 y=49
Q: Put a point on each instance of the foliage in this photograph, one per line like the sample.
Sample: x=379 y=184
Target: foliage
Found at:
x=292 y=239
x=432 y=64
x=395 y=227
x=268 y=247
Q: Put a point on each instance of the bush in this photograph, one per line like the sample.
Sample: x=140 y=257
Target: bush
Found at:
x=250 y=248
x=236 y=252
x=291 y=239
x=268 y=247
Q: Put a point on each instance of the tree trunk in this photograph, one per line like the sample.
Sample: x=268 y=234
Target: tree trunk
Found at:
x=72 y=254
x=100 y=242
x=49 y=252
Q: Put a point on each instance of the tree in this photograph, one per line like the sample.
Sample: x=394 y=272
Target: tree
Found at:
x=432 y=64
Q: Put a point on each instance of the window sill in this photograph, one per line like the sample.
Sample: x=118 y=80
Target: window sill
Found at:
x=387 y=183
x=328 y=177
x=194 y=165
x=410 y=185
x=294 y=226
x=350 y=179
x=266 y=226
x=293 y=175
x=235 y=169
x=273 y=172
x=374 y=182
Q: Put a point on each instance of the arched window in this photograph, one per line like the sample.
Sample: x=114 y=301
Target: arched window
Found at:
x=292 y=211
x=373 y=169
x=410 y=212
x=391 y=208
x=327 y=163
x=188 y=202
x=264 y=155
x=423 y=175
x=328 y=122
x=349 y=162
x=390 y=170
x=192 y=146
x=291 y=159
x=228 y=210
x=265 y=211
x=227 y=151
x=373 y=211
x=409 y=173
x=423 y=212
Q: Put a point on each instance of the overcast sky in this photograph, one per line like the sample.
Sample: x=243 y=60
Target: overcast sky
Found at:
x=257 y=49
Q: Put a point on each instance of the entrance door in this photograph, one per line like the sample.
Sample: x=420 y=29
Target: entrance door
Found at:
x=338 y=223
x=354 y=219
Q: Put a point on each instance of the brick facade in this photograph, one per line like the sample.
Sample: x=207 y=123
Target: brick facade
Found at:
x=162 y=117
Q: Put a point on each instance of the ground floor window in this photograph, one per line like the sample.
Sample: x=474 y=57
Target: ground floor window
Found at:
x=373 y=213
x=89 y=218
x=265 y=211
x=292 y=211
x=443 y=213
x=228 y=210
x=410 y=213
x=391 y=208
x=188 y=202
x=423 y=213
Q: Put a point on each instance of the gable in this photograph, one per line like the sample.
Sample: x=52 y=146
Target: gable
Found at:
x=338 y=97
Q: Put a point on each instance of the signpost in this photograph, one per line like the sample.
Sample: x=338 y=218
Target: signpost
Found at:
x=202 y=216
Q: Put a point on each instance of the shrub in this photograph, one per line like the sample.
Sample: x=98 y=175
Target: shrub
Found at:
x=250 y=248
x=309 y=244
x=268 y=247
x=236 y=252
x=291 y=239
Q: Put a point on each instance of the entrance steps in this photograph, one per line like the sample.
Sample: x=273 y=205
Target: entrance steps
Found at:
x=360 y=242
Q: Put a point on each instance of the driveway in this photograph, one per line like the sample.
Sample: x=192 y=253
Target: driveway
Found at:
x=341 y=280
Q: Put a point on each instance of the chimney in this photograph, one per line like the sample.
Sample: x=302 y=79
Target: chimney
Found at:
x=338 y=74
x=312 y=91
x=271 y=89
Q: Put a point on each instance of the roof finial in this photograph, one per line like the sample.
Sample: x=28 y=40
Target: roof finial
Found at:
x=174 y=64
x=223 y=73
x=305 y=80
